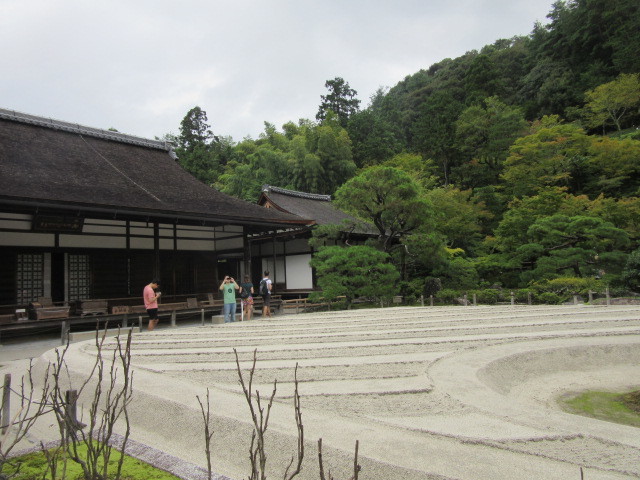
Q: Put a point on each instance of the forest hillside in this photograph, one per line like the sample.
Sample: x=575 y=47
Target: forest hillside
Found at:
x=516 y=165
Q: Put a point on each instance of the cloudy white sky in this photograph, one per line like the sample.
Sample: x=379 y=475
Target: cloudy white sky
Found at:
x=140 y=65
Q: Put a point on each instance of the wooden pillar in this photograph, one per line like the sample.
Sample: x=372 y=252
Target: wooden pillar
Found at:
x=273 y=274
x=5 y=413
x=246 y=254
x=156 y=249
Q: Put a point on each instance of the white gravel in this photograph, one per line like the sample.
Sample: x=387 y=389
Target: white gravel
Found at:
x=434 y=392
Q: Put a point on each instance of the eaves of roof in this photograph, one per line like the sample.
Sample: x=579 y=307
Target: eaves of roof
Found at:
x=55 y=165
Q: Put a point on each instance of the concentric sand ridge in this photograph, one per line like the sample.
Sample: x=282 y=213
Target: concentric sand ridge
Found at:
x=432 y=392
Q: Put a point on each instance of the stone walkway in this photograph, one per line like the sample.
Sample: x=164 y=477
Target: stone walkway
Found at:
x=430 y=393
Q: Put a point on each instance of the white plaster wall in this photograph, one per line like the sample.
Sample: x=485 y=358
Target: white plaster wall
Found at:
x=80 y=241
x=201 y=245
x=299 y=273
x=12 y=239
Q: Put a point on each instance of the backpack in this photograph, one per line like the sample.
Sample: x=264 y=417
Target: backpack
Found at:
x=244 y=293
x=264 y=289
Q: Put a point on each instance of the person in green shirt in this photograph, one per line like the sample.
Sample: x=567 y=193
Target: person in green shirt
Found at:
x=229 y=287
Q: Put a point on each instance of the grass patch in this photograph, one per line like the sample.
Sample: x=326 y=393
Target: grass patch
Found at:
x=613 y=407
x=33 y=466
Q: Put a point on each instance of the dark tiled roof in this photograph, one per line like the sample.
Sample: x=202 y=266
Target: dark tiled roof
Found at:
x=62 y=165
x=309 y=205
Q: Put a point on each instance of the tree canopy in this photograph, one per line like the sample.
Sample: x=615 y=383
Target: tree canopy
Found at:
x=475 y=170
x=353 y=272
x=340 y=100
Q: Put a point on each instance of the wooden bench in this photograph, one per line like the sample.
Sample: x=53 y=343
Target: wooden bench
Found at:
x=44 y=309
x=91 y=307
x=275 y=304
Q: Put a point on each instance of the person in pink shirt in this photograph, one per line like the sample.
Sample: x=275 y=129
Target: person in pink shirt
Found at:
x=151 y=302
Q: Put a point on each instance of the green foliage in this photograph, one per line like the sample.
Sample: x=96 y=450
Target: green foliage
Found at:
x=553 y=155
x=548 y=298
x=34 y=465
x=448 y=296
x=493 y=127
x=389 y=199
x=458 y=273
x=630 y=277
x=458 y=216
x=614 y=166
x=484 y=134
x=199 y=151
x=375 y=137
x=613 y=102
x=434 y=130
x=340 y=100
x=355 y=272
x=582 y=245
x=607 y=406
x=485 y=296
x=423 y=171
x=307 y=157
x=331 y=234
x=432 y=285
x=194 y=130
x=565 y=287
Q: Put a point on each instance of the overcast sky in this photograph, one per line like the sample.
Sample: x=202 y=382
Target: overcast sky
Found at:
x=140 y=65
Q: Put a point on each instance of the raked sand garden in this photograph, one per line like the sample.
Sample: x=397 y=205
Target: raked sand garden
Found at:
x=430 y=393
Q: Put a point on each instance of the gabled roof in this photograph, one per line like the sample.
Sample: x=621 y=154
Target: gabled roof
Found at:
x=309 y=205
x=47 y=163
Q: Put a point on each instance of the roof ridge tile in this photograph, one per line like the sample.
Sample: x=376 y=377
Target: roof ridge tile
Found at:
x=83 y=130
x=294 y=193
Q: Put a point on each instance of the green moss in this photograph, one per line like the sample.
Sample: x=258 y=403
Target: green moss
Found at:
x=33 y=466
x=608 y=406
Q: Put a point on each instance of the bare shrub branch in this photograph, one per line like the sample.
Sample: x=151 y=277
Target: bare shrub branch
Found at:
x=356 y=466
x=300 y=426
x=208 y=433
x=109 y=402
x=33 y=404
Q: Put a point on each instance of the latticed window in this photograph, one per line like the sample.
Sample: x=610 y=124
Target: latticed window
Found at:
x=79 y=277
x=30 y=277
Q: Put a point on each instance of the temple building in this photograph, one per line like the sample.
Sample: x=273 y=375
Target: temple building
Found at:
x=89 y=213
x=290 y=249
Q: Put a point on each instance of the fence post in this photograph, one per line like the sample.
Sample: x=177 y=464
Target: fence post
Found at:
x=64 y=334
x=173 y=318
x=431 y=299
x=125 y=320
x=529 y=298
x=513 y=298
x=140 y=322
x=422 y=300
x=608 y=297
x=575 y=299
x=5 y=413
x=202 y=316
x=465 y=300
x=590 y=296
x=475 y=300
